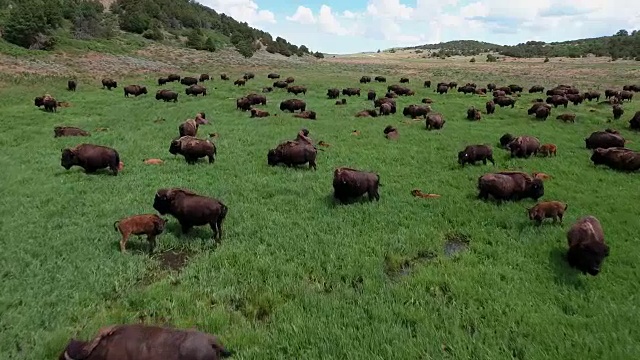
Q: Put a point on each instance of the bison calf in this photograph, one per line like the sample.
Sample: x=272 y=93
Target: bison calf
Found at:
x=151 y=225
x=351 y=183
x=473 y=153
x=548 y=149
x=59 y=131
x=547 y=210
x=567 y=117
x=587 y=248
x=146 y=342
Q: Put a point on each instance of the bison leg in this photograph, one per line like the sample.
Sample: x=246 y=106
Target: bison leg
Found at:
x=490 y=158
x=312 y=165
x=123 y=242
x=216 y=231
x=185 y=228
x=152 y=243
x=90 y=170
x=483 y=195
x=373 y=194
x=211 y=159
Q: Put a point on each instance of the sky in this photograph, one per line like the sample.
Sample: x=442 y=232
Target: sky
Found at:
x=350 y=26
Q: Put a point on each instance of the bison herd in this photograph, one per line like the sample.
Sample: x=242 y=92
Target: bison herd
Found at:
x=586 y=245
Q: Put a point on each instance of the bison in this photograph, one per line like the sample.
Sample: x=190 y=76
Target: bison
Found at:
x=634 y=123
x=289 y=80
x=193 y=149
x=591 y=95
x=311 y=115
x=473 y=153
x=280 y=84
x=333 y=93
x=427 y=83
x=390 y=132
x=292 y=105
x=618 y=111
x=297 y=89
x=442 y=89
x=341 y=102
x=72 y=85
x=576 y=99
x=365 y=79
x=625 y=95
x=523 y=146
x=91 y=158
x=257 y=99
x=435 y=121
x=367 y=113
x=259 y=113
x=188 y=128
x=167 y=95
x=609 y=93
x=415 y=111
x=505 y=140
x=350 y=183
x=404 y=80
x=248 y=76
x=135 y=90
x=503 y=101
x=547 y=210
x=243 y=104
x=371 y=95
x=380 y=79
x=510 y=185
x=162 y=81
x=240 y=82
x=146 y=342
x=473 y=114
x=50 y=104
x=188 y=81
x=490 y=107
x=587 y=247
x=536 y=89
x=60 y=131
x=617 y=158
x=467 y=89
x=548 y=150
x=173 y=77
x=293 y=153
x=196 y=90
x=386 y=109
x=351 y=91
x=604 y=139
x=109 y=84
x=557 y=100
x=191 y=209
x=273 y=76
x=224 y=77
x=151 y=225
x=567 y=117
x=204 y=77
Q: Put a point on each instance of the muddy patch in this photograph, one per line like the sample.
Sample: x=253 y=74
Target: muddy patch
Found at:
x=399 y=266
x=455 y=243
x=173 y=260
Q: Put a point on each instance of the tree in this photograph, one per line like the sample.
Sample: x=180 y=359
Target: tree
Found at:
x=245 y=48
x=30 y=24
x=209 y=44
x=622 y=32
x=319 y=55
x=195 y=39
x=491 y=58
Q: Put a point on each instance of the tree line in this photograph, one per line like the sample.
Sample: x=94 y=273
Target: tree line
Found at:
x=32 y=24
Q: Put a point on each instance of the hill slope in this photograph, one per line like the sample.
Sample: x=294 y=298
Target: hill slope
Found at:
x=621 y=45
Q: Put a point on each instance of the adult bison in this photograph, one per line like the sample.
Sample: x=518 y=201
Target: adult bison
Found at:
x=634 y=123
x=467 y=89
x=289 y=80
x=618 y=111
x=204 y=77
x=442 y=89
x=333 y=93
x=591 y=95
x=576 y=99
x=292 y=105
x=280 y=84
x=351 y=91
x=415 y=111
x=434 y=122
x=49 y=103
x=503 y=101
x=190 y=209
x=135 y=90
x=350 y=183
x=193 y=149
x=510 y=185
x=587 y=247
x=173 y=77
x=188 y=128
x=536 y=89
x=257 y=99
x=248 y=76
x=516 y=88
x=167 y=95
x=427 y=83
x=365 y=79
x=273 y=76
x=380 y=79
x=490 y=106
x=473 y=114
x=557 y=100
x=72 y=85
x=474 y=153
x=224 y=77
x=523 y=146
x=404 y=80
x=146 y=342
x=195 y=90
x=162 y=81
x=293 y=153
x=91 y=158
x=604 y=139
x=240 y=82
x=625 y=95
x=60 y=131
x=617 y=158
x=505 y=140
x=243 y=104
x=297 y=89
x=188 y=81
x=109 y=84
x=609 y=93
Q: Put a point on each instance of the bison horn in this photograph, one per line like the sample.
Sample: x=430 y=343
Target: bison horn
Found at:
x=67 y=357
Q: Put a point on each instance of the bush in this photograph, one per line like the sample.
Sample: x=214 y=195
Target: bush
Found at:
x=319 y=55
x=153 y=34
x=472 y=60
x=546 y=59
x=491 y=58
x=209 y=44
x=245 y=48
x=195 y=39
x=30 y=23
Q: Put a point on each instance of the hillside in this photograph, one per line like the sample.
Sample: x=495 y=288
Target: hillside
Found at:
x=622 y=45
x=48 y=24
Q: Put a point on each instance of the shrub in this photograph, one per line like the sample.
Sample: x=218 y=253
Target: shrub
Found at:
x=472 y=60
x=153 y=34
x=546 y=59
x=491 y=58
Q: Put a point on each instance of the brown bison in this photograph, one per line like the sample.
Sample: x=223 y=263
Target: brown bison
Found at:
x=188 y=81
x=576 y=99
x=618 y=111
x=510 y=185
x=634 y=88
x=442 y=89
x=543 y=112
x=289 y=80
x=267 y=89
x=191 y=209
x=516 y=88
x=151 y=225
x=109 y=84
x=146 y=342
x=536 y=106
x=473 y=114
x=257 y=99
x=547 y=210
x=391 y=95
x=506 y=90
x=72 y=85
x=404 y=80
x=91 y=158
x=371 y=95
x=625 y=95
x=188 y=128
x=604 y=139
x=204 y=77
x=591 y=95
x=292 y=105
x=243 y=104
x=273 y=76
x=536 y=89
x=567 y=117
x=224 y=77
x=474 y=153
x=240 y=82
x=548 y=150
x=259 y=113
x=378 y=103
x=248 y=76
x=162 y=81
x=193 y=149
x=196 y=90
x=634 y=123
x=491 y=86
x=311 y=115
x=280 y=84
x=60 y=131
x=453 y=85
x=386 y=109
x=390 y=132
x=135 y=90
x=617 y=158
x=293 y=153
x=523 y=146
x=167 y=95
x=587 y=248
x=467 y=89
x=351 y=91
x=297 y=89
x=609 y=93
x=499 y=93
x=365 y=79
x=490 y=107
x=333 y=93
x=368 y=113
x=350 y=183
x=427 y=83
x=50 y=104
x=414 y=111
x=341 y=102
x=173 y=77
x=557 y=100
x=503 y=101
x=380 y=79
x=435 y=121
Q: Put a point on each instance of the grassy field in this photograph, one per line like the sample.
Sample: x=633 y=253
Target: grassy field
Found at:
x=297 y=277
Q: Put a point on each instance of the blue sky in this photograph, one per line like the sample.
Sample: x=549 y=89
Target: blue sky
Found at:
x=338 y=26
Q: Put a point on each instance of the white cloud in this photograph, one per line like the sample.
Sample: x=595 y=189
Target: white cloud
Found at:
x=303 y=15
x=388 y=23
x=241 y=10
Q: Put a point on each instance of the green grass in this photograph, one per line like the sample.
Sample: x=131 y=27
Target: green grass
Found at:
x=297 y=277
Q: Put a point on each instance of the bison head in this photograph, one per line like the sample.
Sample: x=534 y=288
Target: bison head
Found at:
x=68 y=159
x=159 y=95
x=174 y=148
x=536 y=189
x=143 y=90
x=114 y=84
x=588 y=257
x=160 y=225
x=463 y=157
x=273 y=158
x=162 y=201
x=598 y=157
x=38 y=101
x=75 y=350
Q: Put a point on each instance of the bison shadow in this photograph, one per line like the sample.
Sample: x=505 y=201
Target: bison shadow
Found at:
x=202 y=232
x=332 y=202
x=99 y=172
x=564 y=274
x=137 y=245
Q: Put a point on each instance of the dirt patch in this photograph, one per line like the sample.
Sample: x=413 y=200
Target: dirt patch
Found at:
x=398 y=266
x=173 y=260
x=455 y=243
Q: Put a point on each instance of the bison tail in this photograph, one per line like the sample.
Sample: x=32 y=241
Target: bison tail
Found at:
x=115 y=225
x=223 y=212
x=378 y=176
x=566 y=206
